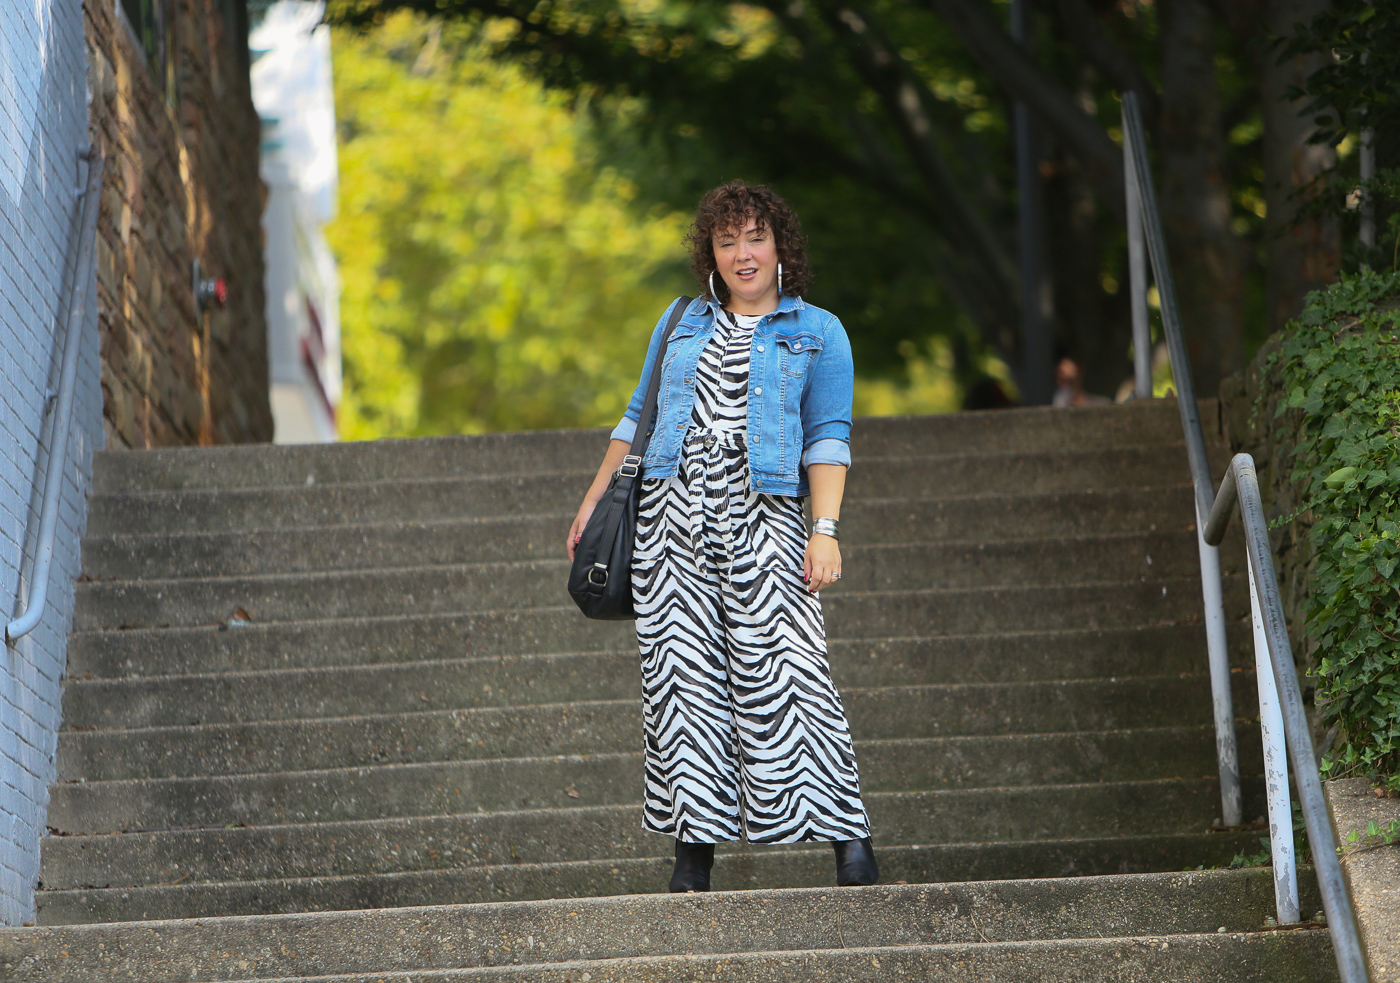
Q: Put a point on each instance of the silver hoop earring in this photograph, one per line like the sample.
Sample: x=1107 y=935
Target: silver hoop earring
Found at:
x=712 y=285
x=780 y=279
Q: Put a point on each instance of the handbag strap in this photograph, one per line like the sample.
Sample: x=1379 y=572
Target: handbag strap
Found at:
x=632 y=464
x=644 y=424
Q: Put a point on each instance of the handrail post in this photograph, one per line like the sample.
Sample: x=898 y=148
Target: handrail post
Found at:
x=1227 y=754
x=1281 y=846
x=1137 y=279
x=63 y=417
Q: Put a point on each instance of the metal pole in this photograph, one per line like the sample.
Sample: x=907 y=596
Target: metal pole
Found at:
x=1137 y=280
x=1037 y=370
x=1241 y=480
x=1275 y=770
x=1368 y=171
x=1227 y=755
x=58 y=452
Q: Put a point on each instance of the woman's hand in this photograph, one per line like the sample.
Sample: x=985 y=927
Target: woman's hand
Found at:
x=585 y=511
x=822 y=564
x=612 y=460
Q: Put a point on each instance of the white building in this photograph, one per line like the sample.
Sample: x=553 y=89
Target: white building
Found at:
x=292 y=90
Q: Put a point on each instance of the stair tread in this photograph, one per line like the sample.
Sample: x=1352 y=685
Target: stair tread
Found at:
x=381 y=595
x=135 y=654
x=1107 y=913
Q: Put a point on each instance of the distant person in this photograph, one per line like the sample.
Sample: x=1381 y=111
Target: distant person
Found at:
x=987 y=394
x=1069 y=389
x=745 y=732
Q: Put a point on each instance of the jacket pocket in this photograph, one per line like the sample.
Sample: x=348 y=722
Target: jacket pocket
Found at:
x=796 y=351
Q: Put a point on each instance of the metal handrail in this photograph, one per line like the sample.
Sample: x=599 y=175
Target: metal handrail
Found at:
x=1142 y=199
x=58 y=451
x=1283 y=721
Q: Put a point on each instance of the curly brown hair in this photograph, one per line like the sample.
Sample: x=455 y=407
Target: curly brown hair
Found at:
x=729 y=207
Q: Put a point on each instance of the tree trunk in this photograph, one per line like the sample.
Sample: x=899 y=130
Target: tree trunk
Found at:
x=1299 y=255
x=1195 y=200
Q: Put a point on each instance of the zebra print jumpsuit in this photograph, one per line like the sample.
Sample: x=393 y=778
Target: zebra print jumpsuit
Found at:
x=740 y=714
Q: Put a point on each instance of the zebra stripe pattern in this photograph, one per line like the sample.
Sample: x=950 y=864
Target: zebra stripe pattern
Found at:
x=744 y=728
x=722 y=376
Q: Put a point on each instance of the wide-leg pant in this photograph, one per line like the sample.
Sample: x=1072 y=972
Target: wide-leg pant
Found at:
x=742 y=722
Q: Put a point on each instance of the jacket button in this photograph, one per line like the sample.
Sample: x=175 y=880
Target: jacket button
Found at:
x=760 y=349
x=797 y=346
x=758 y=391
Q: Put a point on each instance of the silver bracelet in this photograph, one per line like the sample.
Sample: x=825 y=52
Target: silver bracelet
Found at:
x=825 y=527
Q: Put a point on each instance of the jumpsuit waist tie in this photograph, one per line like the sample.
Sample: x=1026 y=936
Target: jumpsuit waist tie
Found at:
x=709 y=481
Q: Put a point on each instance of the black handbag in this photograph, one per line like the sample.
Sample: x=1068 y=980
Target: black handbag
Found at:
x=600 y=580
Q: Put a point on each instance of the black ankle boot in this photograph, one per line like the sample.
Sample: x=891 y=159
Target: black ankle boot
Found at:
x=855 y=863
x=693 y=863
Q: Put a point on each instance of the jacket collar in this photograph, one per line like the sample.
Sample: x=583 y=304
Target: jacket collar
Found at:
x=786 y=305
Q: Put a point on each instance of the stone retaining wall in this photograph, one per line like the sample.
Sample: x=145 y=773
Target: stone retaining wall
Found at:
x=182 y=184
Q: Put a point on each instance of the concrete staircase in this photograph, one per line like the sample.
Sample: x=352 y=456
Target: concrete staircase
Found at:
x=338 y=697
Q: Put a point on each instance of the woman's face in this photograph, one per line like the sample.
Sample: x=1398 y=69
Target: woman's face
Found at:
x=747 y=260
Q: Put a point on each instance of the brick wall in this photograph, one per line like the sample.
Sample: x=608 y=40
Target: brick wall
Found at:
x=43 y=100
x=183 y=185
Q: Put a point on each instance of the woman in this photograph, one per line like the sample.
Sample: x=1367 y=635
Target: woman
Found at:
x=743 y=724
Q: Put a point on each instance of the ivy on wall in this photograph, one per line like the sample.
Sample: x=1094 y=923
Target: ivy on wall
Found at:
x=1340 y=366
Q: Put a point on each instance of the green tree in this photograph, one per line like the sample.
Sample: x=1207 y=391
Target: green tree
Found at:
x=887 y=124
x=496 y=274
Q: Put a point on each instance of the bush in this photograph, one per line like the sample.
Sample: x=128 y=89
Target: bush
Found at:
x=1340 y=367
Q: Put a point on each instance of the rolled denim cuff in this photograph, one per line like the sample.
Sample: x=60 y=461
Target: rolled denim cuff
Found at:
x=625 y=430
x=827 y=451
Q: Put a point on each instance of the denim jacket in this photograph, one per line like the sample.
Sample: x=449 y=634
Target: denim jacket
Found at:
x=800 y=384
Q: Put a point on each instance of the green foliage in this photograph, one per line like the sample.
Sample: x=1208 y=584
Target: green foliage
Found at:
x=1341 y=371
x=1388 y=833
x=1302 y=850
x=1359 y=85
x=1264 y=858
x=1357 y=88
x=683 y=95
x=496 y=275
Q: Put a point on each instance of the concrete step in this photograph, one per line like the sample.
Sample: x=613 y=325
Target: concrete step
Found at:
x=445 y=542
x=429 y=500
x=397 y=845
x=436 y=788
x=177 y=896
x=960 y=707
x=392 y=500
x=512 y=638
x=456 y=684
x=974 y=563
x=455 y=936
x=955 y=565
x=737 y=869
x=157 y=556
x=994 y=514
x=535 y=584
x=1154 y=423
x=464 y=735
x=1245 y=958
